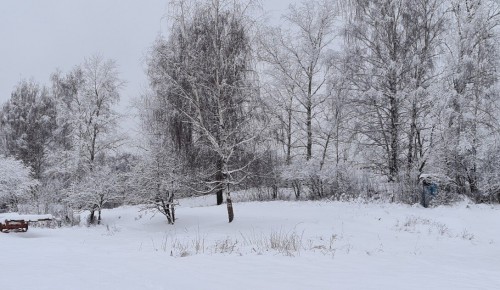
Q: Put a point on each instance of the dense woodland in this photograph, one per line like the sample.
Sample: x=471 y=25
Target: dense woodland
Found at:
x=342 y=100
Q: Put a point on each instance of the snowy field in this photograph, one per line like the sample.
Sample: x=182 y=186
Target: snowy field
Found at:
x=270 y=245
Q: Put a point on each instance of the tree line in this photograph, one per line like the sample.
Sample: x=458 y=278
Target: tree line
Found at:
x=341 y=100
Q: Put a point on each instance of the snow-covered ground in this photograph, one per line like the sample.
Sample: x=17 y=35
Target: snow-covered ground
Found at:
x=270 y=245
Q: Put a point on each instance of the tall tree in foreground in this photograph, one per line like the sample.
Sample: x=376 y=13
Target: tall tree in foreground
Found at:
x=202 y=72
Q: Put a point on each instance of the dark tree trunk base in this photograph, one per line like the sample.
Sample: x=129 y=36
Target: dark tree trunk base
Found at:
x=220 y=198
x=92 y=217
x=230 y=211
x=172 y=213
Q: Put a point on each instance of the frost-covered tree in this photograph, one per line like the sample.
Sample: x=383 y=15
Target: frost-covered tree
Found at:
x=28 y=122
x=203 y=75
x=393 y=47
x=97 y=188
x=334 y=126
x=86 y=96
x=96 y=121
x=470 y=112
x=155 y=181
x=87 y=122
x=16 y=182
x=161 y=173
x=297 y=65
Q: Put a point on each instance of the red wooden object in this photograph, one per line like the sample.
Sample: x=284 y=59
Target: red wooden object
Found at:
x=14 y=225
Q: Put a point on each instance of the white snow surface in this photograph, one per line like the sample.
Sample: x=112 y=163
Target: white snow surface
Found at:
x=269 y=245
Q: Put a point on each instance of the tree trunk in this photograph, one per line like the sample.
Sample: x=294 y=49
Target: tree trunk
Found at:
x=167 y=210
x=172 y=212
x=92 y=216
x=99 y=217
x=289 y=138
x=275 y=191
x=411 y=138
x=296 y=185
x=219 y=176
x=325 y=151
x=423 y=200
x=474 y=189
x=171 y=209
x=230 y=211
x=394 y=133
x=220 y=197
x=309 y=128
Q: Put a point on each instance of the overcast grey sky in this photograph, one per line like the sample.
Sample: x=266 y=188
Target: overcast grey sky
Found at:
x=37 y=37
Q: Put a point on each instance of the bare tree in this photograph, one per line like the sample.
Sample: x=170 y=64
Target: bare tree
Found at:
x=297 y=66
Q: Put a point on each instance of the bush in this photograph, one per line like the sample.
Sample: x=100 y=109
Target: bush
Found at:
x=332 y=181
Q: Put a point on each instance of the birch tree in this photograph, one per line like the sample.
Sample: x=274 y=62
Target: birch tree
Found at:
x=203 y=72
x=394 y=49
x=297 y=60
